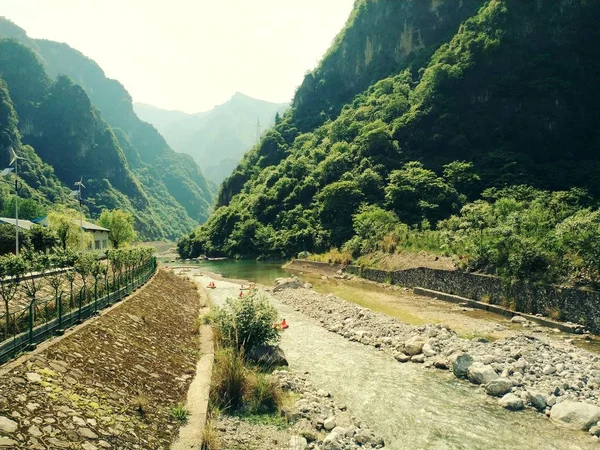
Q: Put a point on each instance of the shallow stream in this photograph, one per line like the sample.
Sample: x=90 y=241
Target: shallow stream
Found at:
x=411 y=407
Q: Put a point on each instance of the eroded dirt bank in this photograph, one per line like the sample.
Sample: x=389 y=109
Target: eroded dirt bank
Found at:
x=112 y=383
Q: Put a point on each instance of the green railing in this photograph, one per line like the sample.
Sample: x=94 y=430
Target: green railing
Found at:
x=24 y=329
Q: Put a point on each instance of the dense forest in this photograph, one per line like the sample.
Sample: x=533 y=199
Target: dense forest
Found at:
x=72 y=122
x=467 y=128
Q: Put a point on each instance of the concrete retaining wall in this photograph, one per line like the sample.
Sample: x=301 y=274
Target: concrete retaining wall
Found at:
x=574 y=305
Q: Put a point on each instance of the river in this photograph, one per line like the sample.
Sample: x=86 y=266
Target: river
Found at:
x=411 y=407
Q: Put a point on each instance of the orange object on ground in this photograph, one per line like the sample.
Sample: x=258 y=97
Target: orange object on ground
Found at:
x=211 y=285
x=241 y=294
x=284 y=324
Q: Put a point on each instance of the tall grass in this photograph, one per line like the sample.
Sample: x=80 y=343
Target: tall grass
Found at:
x=230 y=382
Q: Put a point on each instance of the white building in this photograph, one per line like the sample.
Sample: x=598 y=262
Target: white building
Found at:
x=99 y=234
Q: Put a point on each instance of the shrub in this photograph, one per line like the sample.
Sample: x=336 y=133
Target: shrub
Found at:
x=179 y=412
x=265 y=395
x=230 y=379
x=209 y=437
x=246 y=322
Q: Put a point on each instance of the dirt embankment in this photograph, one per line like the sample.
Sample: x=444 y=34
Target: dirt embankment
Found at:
x=112 y=383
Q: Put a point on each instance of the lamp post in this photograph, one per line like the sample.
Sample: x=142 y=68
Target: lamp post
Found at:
x=80 y=186
x=15 y=163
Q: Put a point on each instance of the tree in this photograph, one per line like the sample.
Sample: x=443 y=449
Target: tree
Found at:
x=120 y=224
x=65 y=224
x=42 y=238
x=338 y=203
x=12 y=269
x=7 y=239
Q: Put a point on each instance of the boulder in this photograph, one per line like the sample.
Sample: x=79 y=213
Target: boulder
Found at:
x=537 y=400
x=329 y=424
x=441 y=364
x=512 y=402
x=298 y=443
x=286 y=283
x=498 y=387
x=414 y=345
x=518 y=319
x=428 y=350
x=401 y=357
x=479 y=373
x=460 y=365
x=270 y=355
x=418 y=359
x=576 y=415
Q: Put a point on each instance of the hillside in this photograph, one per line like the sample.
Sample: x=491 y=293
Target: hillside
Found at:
x=496 y=96
x=216 y=139
x=166 y=190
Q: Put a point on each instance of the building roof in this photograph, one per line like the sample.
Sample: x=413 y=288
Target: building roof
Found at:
x=23 y=224
x=88 y=226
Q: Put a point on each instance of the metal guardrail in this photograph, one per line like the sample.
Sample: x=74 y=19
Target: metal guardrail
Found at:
x=43 y=319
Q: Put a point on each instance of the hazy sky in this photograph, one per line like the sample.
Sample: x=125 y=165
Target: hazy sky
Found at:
x=191 y=54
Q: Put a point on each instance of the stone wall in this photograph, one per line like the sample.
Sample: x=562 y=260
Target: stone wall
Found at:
x=574 y=305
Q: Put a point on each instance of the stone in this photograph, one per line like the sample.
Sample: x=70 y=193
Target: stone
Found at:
x=414 y=345
x=460 y=365
x=58 y=443
x=537 y=400
x=429 y=351
x=441 y=364
x=420 y=359
x=401 y=357
x=270 y=355
x=575 y=415
x=286 y=283
x=518 y=319
x=87 y=433
x=33 y=377
x=34 y=431
x=595 y=431
x=89 y=446
x=498 y=387
x=548 y=369
x=479 y=373
x=298 y=443
x=7 y=425
x=512 y=402
x=329 y=424
x=8 y=443
x=79 y=421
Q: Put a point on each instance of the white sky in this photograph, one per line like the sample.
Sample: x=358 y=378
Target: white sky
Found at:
x=191 y=55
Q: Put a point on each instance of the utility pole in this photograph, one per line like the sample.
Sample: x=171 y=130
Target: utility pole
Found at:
x=15 y=160
x=258 y=131
x=80 y=185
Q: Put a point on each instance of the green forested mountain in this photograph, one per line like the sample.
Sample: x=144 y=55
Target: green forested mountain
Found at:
x=62 y=100
x=216 y=139
x=418 y=108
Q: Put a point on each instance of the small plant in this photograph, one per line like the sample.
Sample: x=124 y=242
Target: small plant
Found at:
x=486 y=299
x=179 y=412
x=140 y=404
x=209 y=437
x=554 y=312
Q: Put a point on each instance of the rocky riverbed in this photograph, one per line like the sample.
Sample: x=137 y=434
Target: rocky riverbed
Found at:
x=316 y=421
x=525 y=370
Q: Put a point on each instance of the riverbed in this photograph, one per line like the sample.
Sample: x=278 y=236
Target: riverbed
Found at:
x=411 y=407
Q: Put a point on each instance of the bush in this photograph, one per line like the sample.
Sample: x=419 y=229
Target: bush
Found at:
x=265 y=395
x=246 y=322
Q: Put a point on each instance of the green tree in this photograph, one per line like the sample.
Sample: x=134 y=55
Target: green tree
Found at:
x=120 y=224
x=12 y=269
x=337 y=204
x=42 y=239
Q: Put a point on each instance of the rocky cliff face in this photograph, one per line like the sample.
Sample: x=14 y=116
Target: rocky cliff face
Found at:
x=381 y=38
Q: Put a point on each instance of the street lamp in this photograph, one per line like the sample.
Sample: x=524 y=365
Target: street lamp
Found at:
x=80 y=186
x=15 y=163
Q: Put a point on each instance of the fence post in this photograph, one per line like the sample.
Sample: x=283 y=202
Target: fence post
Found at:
x=60 y=311
x=79 y=309
x=96 y=295
x=31 y=322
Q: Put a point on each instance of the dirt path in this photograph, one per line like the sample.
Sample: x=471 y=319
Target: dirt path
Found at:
x=112 y=383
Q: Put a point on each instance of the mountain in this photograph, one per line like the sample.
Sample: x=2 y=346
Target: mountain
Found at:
x=165 y=189
x=418 y=107
x=216 y=139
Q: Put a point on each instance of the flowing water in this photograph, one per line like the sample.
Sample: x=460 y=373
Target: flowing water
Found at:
x=411 y=407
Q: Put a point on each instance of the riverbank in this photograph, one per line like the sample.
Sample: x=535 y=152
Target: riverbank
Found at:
x=112 y=383
x=525 y=370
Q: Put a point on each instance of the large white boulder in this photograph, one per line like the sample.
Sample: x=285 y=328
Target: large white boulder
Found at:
x=498 y=387
x=576 y=415
x=414 y=345
x=479 y=373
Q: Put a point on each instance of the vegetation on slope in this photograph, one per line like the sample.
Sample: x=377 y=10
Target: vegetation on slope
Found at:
x=509 y=100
